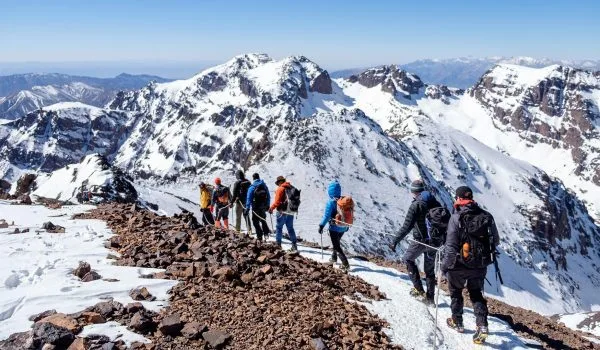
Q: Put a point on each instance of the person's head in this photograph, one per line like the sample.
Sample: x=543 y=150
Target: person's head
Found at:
x=202 y=185
x=218 y=181
x=240 y=174
x=255 y=176
x=464 y=192
x=335 y=189
x=416 y=187
x=280 y=180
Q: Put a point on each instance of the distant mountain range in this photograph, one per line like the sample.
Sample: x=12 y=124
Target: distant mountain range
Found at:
x=464 y=72
x=24 y=93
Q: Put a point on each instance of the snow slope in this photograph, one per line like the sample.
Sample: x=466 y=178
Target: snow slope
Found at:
x=37 y=267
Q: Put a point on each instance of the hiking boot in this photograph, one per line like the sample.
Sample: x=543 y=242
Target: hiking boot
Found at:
x=480 y=335
x=345 y=268
x=456 y=325
x=279 y=244
x=333 y=258
x=429 y=300
x=294 y=248
x=417 y=294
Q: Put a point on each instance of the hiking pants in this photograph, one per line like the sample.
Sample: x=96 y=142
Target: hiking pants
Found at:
x=207 y=217
x=336 y=238
x=473 y=280
x=222 y=212
x=412 y=253
x=239 y=216
x=259 y=220
x=288 y=221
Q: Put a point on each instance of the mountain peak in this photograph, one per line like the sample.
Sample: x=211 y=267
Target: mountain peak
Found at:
x=392 y=79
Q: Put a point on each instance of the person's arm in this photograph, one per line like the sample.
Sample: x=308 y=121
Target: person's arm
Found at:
x=214 y=197
x=452 y=246
x=494 y=232
x=250 y=196
x=409 y=223
x=328 y=213
x=279 y=194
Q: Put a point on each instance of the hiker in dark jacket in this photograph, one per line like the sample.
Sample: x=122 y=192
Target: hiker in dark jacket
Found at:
x=238 y=199
x=257 y=202
x=455 y=268
x=220 y=201
x=415 y=222
x=336 y=231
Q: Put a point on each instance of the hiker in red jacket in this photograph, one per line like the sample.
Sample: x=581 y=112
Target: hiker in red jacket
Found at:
x=285 y=212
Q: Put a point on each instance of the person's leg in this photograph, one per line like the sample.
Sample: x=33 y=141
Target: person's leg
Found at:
x=333 y=237
x=279 y=227
x=429 y=268
x=204 y=218
x=289 y=224
x=225 y=217
x=456 y=283
x=411 y=254
x=475 y=284
x=265 y=226
x=340 y=251
x=238 y=217
x=257 y=226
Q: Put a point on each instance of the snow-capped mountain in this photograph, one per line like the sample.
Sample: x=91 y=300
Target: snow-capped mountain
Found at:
x=375 y=132
x=24 y=93
x=464 y=72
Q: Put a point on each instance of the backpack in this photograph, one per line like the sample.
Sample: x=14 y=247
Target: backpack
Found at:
x=344 y=216
x=244 y=186
x=475 y=239
x=261 y=197
x=223 y=195
x=292 y=195
x=436 y=221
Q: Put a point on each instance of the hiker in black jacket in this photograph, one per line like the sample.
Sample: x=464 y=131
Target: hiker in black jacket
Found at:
x=415 y=222
x=470 y=245
x=238 y=199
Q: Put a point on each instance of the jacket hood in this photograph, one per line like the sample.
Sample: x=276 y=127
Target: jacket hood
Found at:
x=258 y=182
x=239 y=175
x=334 y=190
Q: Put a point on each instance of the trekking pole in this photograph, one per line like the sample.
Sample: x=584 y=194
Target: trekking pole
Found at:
x=321 y=246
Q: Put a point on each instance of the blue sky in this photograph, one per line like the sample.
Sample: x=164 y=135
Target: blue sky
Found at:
x=336 y=34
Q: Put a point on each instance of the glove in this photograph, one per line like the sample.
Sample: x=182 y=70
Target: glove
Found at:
x=321 y=229
x=270 y=211
x=393 y=247
x=212 y=209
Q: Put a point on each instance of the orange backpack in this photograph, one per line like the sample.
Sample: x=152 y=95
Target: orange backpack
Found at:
x=345 y=212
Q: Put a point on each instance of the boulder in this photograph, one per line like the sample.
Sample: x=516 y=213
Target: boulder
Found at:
x=134 y=307
x=193 y=330
x=42 y=315
x=141 y=294
x=224 y=272
x=25 y=199
x=171 y=325
x=83 y=269
x=91 y=276
x=63 y=321
x=3 y=224
x=141 y=323
x=216 y=338
x=18 y=341
x=92 y=317
x=50 y=333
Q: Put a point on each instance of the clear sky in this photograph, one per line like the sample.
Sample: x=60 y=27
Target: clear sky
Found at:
x=335 y=34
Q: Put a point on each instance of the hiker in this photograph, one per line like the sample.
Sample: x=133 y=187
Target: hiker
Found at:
x=220 y=201
x=422 y=202
x=240 y=193
x=257 y=201
x=469 y=249
x=339 y=214
x=206 y=207
x=285 y=211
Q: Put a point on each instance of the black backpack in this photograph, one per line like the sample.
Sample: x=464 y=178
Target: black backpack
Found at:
x=261 y=197
x=243 y=188
x=437 y=224
x=293 y=198
x=475 y=238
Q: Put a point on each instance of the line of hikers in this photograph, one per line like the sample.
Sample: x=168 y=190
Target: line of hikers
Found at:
x=465 y=239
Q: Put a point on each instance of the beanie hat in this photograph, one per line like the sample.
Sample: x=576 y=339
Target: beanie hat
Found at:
x=464 y=192
x=255 y=176
x=280 y=179
x=417 y=186
x=218 y=181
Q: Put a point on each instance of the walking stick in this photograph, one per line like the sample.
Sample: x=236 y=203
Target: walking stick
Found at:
x=321 y=246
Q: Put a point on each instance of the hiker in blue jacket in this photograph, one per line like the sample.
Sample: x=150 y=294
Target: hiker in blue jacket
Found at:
x=335 y=231
x=257 y=201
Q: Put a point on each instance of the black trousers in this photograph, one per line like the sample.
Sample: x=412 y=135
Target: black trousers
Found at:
x=336 y=238
x=412 y=253
x=207 y=217
x=473 y=280
x=259 y=220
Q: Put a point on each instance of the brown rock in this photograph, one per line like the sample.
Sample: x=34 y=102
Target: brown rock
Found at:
x=193 y=330
x=3 y=224
x=42 y=315
x=141 y=323
x=247 y=278
x=261 y=259
x=134 y=307
x=91 y=276
x=141 y=294
x=226 y=272
x=93 y=318
x=83 y=269
x=216 y=338
x=171 y=325
x=64 y=321
x=78 y=344
x=25 y=199
x=265 y=270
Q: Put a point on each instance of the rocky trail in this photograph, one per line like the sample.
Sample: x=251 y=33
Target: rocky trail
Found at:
x=234 y=293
